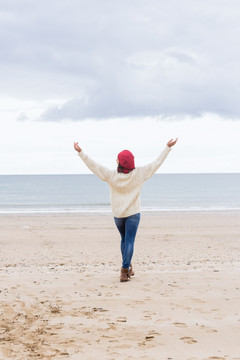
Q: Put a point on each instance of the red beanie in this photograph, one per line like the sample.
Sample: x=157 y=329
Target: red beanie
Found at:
x=126 y=159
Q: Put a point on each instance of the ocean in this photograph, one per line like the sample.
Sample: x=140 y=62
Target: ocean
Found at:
x=87 y=194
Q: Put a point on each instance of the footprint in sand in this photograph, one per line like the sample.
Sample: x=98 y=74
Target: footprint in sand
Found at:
x=199 y=301
x=122 y=319
x=179 y=324
x=99 y=309
x=147 y=317
x=188 y=340
x=208 y=330
x=149 y=337
x=212 y=331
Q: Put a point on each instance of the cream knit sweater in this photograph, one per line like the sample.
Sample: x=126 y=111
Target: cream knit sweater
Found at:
x=125 y=188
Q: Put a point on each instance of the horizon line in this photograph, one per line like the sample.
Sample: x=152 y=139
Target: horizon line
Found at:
x=176 y=173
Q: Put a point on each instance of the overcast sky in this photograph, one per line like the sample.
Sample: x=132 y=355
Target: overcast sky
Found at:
x=119 y=74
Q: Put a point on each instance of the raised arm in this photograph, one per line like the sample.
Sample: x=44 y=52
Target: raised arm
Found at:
x=101 y=171
x=148 y=170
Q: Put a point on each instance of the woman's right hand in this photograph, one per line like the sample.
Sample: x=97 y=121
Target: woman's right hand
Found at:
x=172 y=142
x=77 y=147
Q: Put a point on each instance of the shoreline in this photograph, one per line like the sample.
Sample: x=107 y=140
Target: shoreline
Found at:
x=109 y=212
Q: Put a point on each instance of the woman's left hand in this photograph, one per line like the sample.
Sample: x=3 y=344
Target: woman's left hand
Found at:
x=172 y=142
x=77 y=147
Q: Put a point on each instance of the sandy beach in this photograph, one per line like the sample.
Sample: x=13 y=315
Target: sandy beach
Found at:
x=60 y=295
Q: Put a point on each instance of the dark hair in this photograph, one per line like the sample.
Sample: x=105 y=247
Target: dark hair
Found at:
x=121 y=169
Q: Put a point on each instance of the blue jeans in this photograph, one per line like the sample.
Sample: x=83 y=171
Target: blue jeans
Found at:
x=128 y=229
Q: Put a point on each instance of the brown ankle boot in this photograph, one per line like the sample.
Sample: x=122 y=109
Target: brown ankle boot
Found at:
x=124 y=275
x=131 y=272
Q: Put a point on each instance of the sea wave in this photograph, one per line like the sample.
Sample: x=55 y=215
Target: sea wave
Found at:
x=107 y=210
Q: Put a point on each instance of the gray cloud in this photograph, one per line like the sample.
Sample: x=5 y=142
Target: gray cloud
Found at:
x=111 y=59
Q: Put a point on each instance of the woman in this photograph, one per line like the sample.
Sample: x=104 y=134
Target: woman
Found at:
x=125 y=187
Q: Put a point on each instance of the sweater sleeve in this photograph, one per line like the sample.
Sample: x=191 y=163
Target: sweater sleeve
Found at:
x=102 y=172
x=148 y=170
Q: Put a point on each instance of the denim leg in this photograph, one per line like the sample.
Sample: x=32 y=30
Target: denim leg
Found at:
x=128 y=229
x=120 y=223
x=131 y=226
